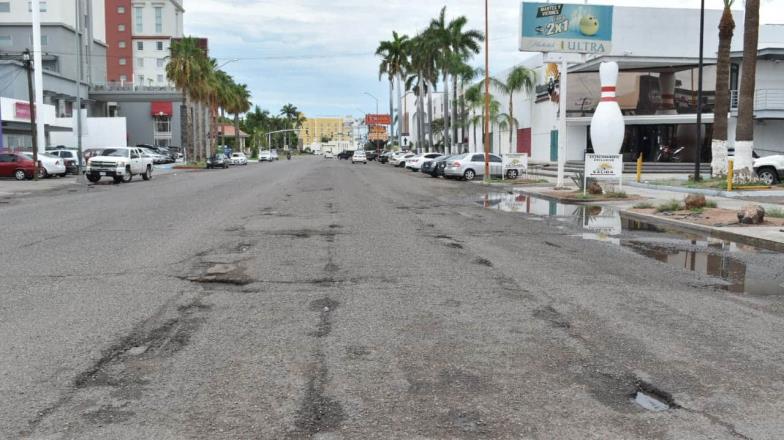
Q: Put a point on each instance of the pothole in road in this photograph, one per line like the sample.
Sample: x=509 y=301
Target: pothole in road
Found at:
x=223 y=273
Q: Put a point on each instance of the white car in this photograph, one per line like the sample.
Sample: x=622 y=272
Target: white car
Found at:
x=415 y=163
x=239 y=159
x=265 y=156
x=329 y=155
x=50 y=165
x=359 y=156
x=121 y=164
x=468 y=166
x=770 y=169
x=400 y=160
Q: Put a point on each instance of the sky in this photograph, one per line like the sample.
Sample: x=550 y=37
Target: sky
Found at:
x=319 y=54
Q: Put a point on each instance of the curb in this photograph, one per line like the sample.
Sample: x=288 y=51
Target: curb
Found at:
x=707 y=192
x=777 y=246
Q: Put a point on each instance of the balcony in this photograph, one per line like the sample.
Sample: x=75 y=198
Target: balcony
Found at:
x=768 y=103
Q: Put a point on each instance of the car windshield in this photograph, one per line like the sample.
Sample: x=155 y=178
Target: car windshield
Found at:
x=116 y=152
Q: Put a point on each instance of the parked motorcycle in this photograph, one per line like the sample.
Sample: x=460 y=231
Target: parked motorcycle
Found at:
x=288 y=156
x=669 y=154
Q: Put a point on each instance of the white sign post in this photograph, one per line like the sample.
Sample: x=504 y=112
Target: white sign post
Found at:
x=603 y=167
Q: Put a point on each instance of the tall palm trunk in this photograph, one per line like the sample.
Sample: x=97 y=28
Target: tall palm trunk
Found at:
x=187 y=140
x=237 y=139
x=511 y=122
x=719 y=143
x=222 y=134
x=744 y=136
x=447 y=116
x=196 y=125
x=473 y=122
x=455 y=141
x=420 y=117
x=391 y=109
x=430 y=119
x=400 y=113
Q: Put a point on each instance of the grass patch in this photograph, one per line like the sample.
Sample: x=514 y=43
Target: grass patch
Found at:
x=671 y=206
x=617 y=195
x=643 y=205
x=584 y=197
x=697 y=210
x=775 y=213
x=711 y=204
x=712 y=183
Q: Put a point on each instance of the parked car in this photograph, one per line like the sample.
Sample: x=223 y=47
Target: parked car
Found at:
x=431 y=166
x=328 y=155
x=50 y=165
x=399 y=161
x=121 y=163
x=359 y=156
x=469 y=166
x=70 y=159
x=345 y=155
x=371 y=155
x=239 y=159
x=770 y=169
x=217 y=161
x=384 y=158
x=268 y=156
x=415 y=163
x=16 y=165
x=157 y=159
x=175 y=151
x=274 y=154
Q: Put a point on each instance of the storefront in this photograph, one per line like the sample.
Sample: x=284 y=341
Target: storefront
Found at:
x=16 y=127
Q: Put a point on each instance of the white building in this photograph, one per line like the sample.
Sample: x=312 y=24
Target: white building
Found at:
x=409 y=111
x=657 y=89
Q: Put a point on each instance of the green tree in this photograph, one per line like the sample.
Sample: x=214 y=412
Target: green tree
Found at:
x=186 y=69
x=289 y=112
x=721 y=109
x=744 y=136
x=394 y=63
x=519 y=79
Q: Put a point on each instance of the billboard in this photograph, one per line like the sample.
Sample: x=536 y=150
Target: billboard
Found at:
x=378 y=120
x=563 y=27
x=377 y=133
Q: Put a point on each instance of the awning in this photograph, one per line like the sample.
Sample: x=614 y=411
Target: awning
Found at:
x=161 y=108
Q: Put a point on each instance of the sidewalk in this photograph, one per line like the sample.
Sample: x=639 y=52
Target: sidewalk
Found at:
x=770 y=237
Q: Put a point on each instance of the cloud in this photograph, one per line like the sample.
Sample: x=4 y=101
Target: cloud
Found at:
x=319 y=55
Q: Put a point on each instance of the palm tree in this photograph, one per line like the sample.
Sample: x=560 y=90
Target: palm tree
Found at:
x=394 y=64
x=424 y=51
x=519 y=79
x=184 y=69
x=473 y=99
x=744 y=135
x=240 y=103
x=288 y=112
x=299 y=121
x=721 y=107
x=464 y=44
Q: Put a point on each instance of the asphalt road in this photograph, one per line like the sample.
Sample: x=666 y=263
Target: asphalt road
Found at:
x=316 y=299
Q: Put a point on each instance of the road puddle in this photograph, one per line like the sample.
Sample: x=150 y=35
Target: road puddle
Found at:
x=706 y=255
x=650 y=403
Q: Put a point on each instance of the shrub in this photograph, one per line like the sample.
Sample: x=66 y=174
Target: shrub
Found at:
x=617 y=195
x=643 y=205
x=775 y=213
x=672 y=205
x=711 y=204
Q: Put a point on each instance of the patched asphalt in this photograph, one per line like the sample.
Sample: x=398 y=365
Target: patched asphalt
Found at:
x=318 y=299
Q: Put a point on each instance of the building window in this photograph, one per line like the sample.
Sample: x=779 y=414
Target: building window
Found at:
x=123 y=61
x=140 y=45
x=161 y=62
x=6 y=41
x=120 y=28
x=139 y=62
x=41 y=6
x=121 y=9
x=138 y=19
x=158 y=20
x=121 y=44
x=160 y=79
x=162 y=125
x=159 y=45
x=5 y=6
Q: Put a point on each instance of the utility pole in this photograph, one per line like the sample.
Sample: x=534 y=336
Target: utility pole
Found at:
x=79 y=83
x=28 y=62
x=698 y=152
x=487 y=92
x=38 y=77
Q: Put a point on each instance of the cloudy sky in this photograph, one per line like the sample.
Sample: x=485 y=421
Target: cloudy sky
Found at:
x=318 y=54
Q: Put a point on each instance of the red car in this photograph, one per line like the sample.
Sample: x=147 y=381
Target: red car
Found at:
x=16 y=165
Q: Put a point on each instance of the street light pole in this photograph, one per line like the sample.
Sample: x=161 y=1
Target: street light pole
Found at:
x=28 y=62
x=38 y=75
x=698 y=153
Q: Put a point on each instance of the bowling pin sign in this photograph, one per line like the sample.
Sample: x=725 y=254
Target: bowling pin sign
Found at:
x=607 y=126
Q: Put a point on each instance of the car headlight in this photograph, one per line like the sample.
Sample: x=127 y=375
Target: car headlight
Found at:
x=121 y=164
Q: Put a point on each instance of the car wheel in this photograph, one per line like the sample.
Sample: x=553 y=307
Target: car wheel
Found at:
x=127 y=177
x=147 y=174
x=93 y=178
x=768 y=175
x=117 y=179
x=469 y=175
x=42 y=173
x=20 y=175
x=64 y=174
x=512 y=174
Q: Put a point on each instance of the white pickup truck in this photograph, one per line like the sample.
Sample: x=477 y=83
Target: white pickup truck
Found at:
x=770 y=169
x=120 y=163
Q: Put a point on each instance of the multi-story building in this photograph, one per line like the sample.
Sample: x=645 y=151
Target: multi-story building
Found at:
x=139 y=34
x=316 y=130
x=59 y=43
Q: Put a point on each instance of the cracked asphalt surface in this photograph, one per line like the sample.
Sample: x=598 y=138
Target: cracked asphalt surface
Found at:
x=316 y=299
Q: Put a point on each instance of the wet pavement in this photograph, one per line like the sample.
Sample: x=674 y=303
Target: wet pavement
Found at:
x=743 y=269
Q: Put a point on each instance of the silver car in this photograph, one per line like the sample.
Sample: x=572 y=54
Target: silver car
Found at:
x=470 y=165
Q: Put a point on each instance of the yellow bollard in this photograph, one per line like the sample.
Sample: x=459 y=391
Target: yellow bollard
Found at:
x=730 y=174
x=639 y=168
